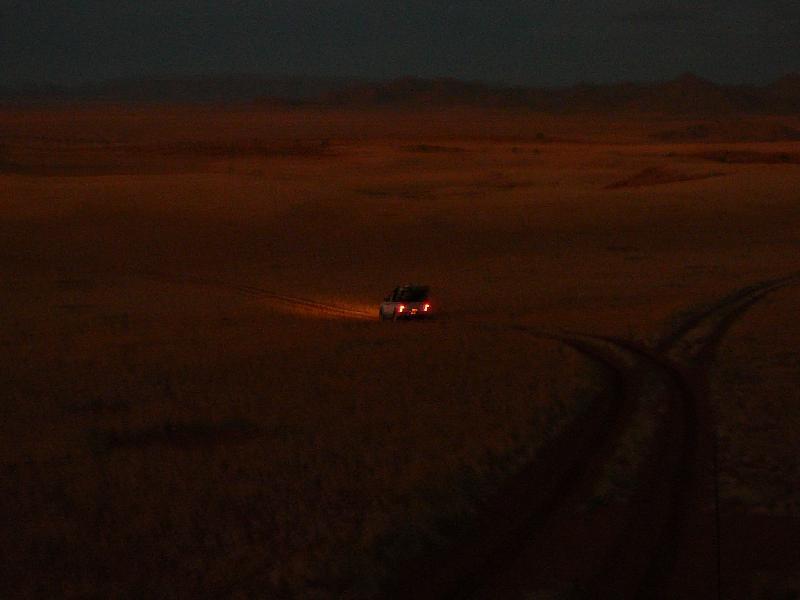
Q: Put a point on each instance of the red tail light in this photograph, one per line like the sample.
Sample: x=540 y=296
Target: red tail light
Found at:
x=426 y=307
x=401 y=308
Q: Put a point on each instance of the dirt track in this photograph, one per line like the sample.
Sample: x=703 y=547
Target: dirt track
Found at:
x=660 y=544
x=645 y=554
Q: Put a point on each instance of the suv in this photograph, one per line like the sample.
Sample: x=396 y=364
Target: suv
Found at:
x=406 y=302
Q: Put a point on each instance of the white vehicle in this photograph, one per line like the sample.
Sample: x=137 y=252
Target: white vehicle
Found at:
x=407 y=302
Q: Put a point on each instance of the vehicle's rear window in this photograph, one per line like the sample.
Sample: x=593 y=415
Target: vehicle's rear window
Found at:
x=412 y=294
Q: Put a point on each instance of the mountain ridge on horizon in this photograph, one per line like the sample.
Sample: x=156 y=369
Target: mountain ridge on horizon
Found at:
x=687 y=93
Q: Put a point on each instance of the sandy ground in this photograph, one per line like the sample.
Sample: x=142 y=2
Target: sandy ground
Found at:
x=165 y=430
x=758 y=406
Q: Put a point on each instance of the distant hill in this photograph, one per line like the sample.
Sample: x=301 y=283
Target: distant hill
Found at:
x=412 y=90
x=224 y=89
x=687 y=94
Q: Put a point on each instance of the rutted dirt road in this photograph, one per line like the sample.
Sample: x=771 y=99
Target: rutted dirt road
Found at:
x=660 y=542
x=537 y=535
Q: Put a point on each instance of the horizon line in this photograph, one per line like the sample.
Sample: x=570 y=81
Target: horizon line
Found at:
x=300 y=78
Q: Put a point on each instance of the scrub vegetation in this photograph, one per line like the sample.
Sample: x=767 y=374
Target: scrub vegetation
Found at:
x=172 y=427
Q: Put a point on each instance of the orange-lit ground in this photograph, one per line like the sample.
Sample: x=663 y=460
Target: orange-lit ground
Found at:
x=176 y=421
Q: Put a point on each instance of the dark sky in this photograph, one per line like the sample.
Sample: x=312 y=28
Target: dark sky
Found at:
x=539 y=42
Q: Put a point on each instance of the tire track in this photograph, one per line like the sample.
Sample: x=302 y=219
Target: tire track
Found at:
x=670 y=483
x=559 y=470
x=634 y=550
x=640 y=562
x=745 y=295
x=526 y=504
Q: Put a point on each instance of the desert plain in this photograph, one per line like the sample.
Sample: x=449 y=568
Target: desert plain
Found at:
x=199 y=399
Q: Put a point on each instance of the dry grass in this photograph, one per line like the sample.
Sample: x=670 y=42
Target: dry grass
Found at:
x=163 y=437
x=755 y=389
x=759 y=414
x=177 y=439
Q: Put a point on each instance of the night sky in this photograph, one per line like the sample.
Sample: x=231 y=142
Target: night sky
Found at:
x=544 y=42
